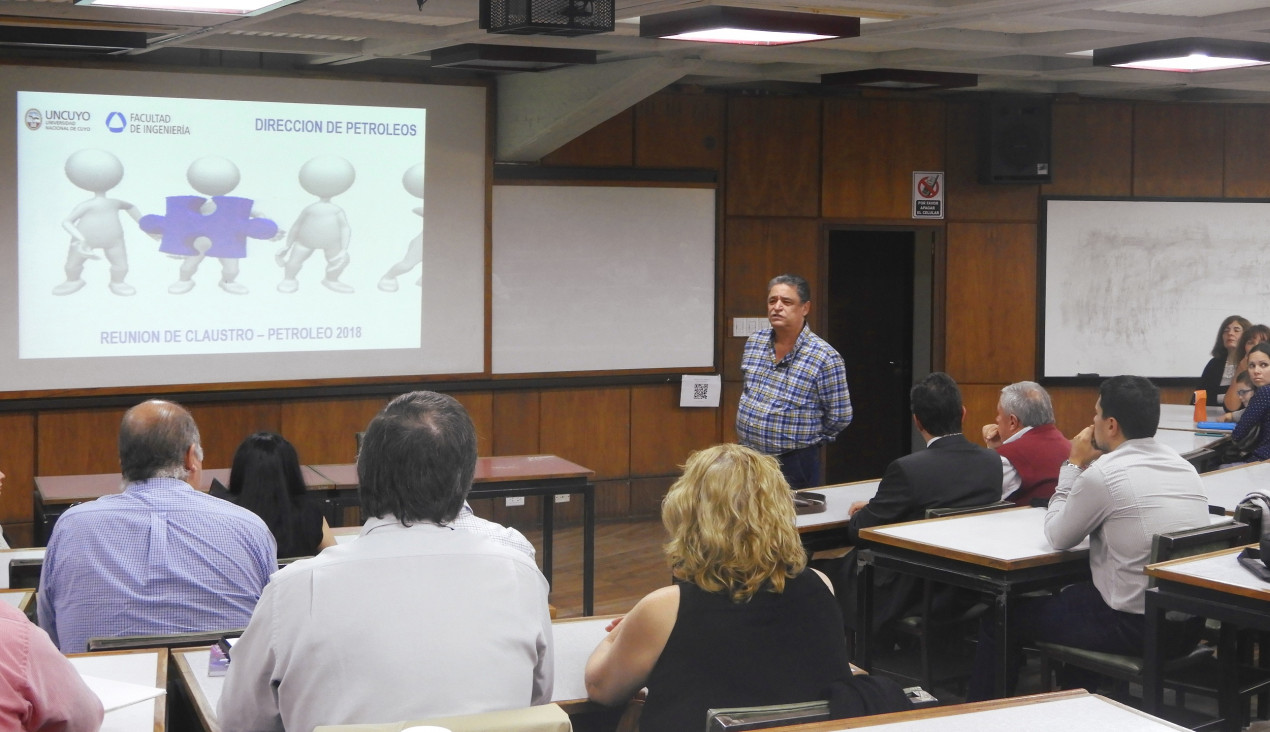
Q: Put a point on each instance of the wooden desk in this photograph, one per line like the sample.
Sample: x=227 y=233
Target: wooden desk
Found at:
x=546 y=476
x=148 y=668
x=828 y=530
x=1194 y=447
x=573 y=641
x=1000 y=553
x=1182 y=416
x=56 y=493
x=1226 y=488
x=1061 y=711
x=1213 y=586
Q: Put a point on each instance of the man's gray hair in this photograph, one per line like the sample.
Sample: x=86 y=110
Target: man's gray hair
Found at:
x=1029 y=402
x=798 y=283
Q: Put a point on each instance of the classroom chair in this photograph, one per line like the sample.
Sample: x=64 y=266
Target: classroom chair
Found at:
x=1125 y=669
x=542 y=718
x=927 y=620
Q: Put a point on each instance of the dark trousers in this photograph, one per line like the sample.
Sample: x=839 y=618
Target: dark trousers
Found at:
x=801 y=467
x=1076 y=617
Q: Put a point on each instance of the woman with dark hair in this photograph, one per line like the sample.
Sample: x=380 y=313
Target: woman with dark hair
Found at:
x=1220 y=371
x=266 y=480
x=1251 y=337
x=1258 y=410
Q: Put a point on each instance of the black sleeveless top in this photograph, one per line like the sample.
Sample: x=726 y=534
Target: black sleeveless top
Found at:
x=775 y=649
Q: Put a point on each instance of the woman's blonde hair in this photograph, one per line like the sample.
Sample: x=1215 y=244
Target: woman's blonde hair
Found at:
x=731 y=523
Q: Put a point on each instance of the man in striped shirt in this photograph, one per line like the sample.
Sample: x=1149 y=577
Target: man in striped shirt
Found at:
x=795 y=394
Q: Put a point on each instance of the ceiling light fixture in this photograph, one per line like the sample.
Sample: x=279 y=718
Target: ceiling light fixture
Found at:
x=1187 y=55
x=747 y=26
x=72 y=39
x=907 y=79
x=478 y=57
x=221 y=7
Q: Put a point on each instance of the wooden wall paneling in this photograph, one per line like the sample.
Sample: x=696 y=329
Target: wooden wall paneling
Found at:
x=1178 y=394
x=991 y=303
x=757 y=250
x=966 y=198
x=1247 y=151
x=17 y=462
x=323 y=430
x=1092 y=149
x=77 y=441
x=1073 y=407
x=590 y=427
x=773 y=163
x=1177 y=150
x=664 y=433
x=729 y=404
x=516 y=423
x=871 y=148
x=980 y=401
x=646 y=495
x=480 y=407
x=223 y=426
x=609 y=144
x=612 y=501
x=676 y=130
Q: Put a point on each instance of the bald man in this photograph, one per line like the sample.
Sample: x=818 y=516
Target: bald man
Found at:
x=160 y=557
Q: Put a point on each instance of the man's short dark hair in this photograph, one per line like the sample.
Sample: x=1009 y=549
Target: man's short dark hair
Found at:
x=798 y=283
x=936 y=403
x=417 y=459
x=1134 y=402
x=154 y=437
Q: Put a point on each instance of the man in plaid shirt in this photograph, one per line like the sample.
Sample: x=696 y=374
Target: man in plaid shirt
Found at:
x=795 y=394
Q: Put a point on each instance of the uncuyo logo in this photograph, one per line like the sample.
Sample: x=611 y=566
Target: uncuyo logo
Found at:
x=115 y=122
x=34 y=120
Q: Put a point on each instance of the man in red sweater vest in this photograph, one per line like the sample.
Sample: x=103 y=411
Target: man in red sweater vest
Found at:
x=1031 y=447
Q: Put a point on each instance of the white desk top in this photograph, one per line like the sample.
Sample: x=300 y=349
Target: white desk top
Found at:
x=1007 y=535
x=1034 y=715
x=838 y=498
x=1185 y=443
x=8 y=554
x=17 y=598
x=139 y=667
x=1182 y=416
x=1226 y=488
x=1219 y=571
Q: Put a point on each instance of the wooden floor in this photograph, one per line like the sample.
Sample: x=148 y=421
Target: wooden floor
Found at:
x=628 y=565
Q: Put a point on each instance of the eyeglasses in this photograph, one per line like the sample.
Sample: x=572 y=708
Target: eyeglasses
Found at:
x=1241 y=393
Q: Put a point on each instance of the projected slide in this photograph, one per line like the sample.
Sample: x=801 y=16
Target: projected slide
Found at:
x=152 y=226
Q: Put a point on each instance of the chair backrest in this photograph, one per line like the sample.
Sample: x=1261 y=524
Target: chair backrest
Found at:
x=960 y=510
x=171 y=640
x=24 y=574
x=739 y=719
x=1249 y=513
x=1178 y=544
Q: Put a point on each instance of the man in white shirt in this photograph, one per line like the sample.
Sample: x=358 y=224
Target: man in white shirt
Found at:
x=1119 y=487
x=414 y=618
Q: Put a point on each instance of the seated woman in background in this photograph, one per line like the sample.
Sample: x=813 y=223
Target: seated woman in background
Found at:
x=1258 y=410
x=1220 y=371
x=746 y=624
x=1251 y=337
x=266 y=480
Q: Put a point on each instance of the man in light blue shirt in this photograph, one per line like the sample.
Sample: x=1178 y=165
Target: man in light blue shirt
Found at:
x=160 y=557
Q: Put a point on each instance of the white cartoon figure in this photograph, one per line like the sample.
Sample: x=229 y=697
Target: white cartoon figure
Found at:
x=413 y=183
x=195 y=228
x=321 y=225
x=94 y=224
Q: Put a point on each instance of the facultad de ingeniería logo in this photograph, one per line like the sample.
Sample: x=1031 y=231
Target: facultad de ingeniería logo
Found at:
x=115 y=122
x=34 y=120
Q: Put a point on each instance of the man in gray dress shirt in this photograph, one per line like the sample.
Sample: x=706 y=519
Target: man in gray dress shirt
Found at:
x=1119 y=487
x=415 y=619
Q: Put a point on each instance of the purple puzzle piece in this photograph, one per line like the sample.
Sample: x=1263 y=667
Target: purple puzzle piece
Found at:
x=228 y=227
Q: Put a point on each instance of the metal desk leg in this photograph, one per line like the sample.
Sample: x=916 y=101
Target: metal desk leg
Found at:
x=1228 y=705
x=864 y=609
x=1003 y=644
x=548 y=530
x=1152 y=683
x=588 y=550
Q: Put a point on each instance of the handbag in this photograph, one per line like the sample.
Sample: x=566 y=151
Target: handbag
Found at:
x=1237 y=451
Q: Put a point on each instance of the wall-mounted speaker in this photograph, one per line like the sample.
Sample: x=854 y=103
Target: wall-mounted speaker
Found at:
x=1014 y=140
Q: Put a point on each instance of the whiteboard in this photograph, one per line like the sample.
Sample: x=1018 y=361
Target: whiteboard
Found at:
x=599 y=278
x=1141 y=286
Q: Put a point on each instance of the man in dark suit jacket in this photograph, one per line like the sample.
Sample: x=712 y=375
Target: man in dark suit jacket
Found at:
x=950 y=472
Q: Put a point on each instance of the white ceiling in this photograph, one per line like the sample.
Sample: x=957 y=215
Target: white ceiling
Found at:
x=1013 y=45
